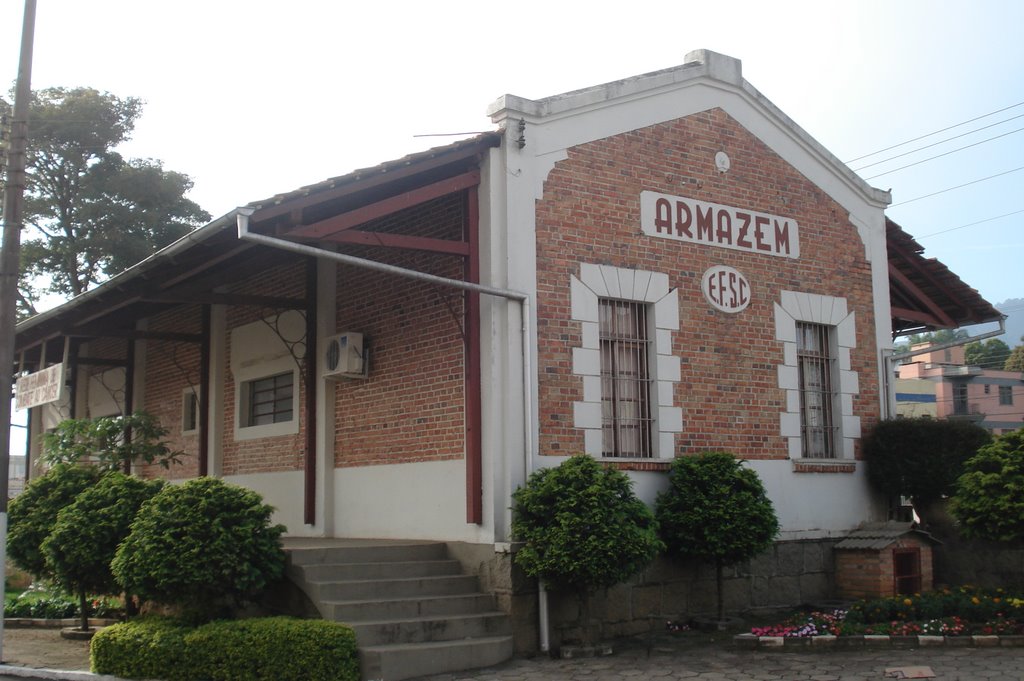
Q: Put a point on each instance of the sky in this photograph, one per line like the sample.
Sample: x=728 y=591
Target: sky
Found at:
x=253 y=98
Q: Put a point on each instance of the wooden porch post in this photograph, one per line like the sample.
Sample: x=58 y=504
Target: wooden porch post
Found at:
x=474 y=479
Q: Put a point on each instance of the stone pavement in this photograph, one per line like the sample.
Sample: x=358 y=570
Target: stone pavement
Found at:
x=723 y=662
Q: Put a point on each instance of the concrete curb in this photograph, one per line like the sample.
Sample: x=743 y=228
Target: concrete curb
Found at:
x=32 y=673
x=752 y=642
x=31 y=623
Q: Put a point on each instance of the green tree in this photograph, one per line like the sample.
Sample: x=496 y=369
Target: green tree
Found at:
x=88 y=531
x=91 y=213
x=102 y=441
x=1015 y=362
x=940 y=336
x=989 y=499
x=988 y=354
x=583 y=528
x=201 y=545
x=715 y=510
x=33 y=513
x=921 y=458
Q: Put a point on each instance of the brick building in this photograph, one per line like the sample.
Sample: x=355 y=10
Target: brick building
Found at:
x=657 y=266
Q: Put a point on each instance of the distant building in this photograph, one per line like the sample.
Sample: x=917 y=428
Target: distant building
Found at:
x=943 y=385
x=16 y=476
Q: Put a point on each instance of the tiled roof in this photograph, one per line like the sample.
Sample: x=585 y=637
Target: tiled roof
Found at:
x=876 y=536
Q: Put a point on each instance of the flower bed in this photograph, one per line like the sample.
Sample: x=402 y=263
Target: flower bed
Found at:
x=964 y=611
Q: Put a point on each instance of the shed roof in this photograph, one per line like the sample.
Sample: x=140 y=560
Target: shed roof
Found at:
x=877 y=536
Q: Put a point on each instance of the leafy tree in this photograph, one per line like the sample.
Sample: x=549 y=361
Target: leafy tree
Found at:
x=987 y=354
x=989 y=499
x=716 y=510
x=201 y=545
x=1015 y=362
x=33 y=513
x=102 y=441
x=921 y=457
x=88 y=531
x=583 y=528
x=90 y=212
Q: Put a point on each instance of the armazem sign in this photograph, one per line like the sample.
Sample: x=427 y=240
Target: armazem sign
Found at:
x=39 y=388
x=712 y=224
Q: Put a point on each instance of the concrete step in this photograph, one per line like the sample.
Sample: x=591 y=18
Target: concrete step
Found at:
x=352 y=612
x=321 y=572
x=369 y=589
x=377 y=553
x=409 y=660
x=436 y=628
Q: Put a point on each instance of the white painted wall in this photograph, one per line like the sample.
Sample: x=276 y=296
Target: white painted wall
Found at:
x=283 y=491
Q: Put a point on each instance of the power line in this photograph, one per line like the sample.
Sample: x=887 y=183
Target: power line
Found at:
x=935 y=144
x=971 y=224
x=947 y=153
x=971 y=120
x=959 y=186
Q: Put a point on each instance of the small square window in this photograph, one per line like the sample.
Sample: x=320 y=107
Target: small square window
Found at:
x=189 y=411
x=268 y=400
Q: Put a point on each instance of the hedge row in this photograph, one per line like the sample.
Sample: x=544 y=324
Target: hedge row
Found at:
x=274 y=649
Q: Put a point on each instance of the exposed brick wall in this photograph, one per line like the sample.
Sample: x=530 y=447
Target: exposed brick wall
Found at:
x=871 y=573
x=270 y=454
x=729 y=393
x=411 y=408
x=171 y=367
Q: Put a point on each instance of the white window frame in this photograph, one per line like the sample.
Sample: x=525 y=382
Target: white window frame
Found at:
x=604 y=281
x=798 y=306
x=258 y=352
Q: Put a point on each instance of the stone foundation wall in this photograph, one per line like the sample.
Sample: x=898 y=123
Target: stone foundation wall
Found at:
x=790 y=574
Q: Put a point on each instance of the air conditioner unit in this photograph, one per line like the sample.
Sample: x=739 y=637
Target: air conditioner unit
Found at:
x=345 y=356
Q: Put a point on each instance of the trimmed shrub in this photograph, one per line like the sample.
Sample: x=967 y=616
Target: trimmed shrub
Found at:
x=921 y=458
x=715 y=510
x=201 y=545
x=88 y=532
x=271 y=649
x=583 y=528
x=33 y=513
x=989 y=499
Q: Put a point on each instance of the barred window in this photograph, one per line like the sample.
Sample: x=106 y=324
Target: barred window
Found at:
x=816 y=362
x=625 y=379
x=269 y=400
x=1005 y=395
x=189 y=411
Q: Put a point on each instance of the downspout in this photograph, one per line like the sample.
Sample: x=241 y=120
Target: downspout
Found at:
x=890 y=358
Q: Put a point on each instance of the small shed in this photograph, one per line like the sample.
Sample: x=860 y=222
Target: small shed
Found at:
x=884 y=559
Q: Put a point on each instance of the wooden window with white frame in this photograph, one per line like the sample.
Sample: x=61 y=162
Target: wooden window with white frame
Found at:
x=625 y=379
x=817 y=375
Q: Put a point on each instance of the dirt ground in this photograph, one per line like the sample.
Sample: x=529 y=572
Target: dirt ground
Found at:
x=44 y=649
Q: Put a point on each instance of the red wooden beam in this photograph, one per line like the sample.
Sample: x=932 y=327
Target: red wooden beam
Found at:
x=933 y=307
x=415 y=243
x=916 y=316
x=474 y=418
x=388 y=206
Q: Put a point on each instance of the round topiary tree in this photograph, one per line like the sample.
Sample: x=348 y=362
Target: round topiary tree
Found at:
x=989 y=498
x=88 y=531
x=583 y=528
x=201 y=545
x=922 y=458
x=715 y=510
x=33 y=513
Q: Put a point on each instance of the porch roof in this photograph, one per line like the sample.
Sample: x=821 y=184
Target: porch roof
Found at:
x=187 y=270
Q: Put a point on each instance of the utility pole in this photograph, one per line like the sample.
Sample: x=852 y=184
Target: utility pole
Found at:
x=9 y=254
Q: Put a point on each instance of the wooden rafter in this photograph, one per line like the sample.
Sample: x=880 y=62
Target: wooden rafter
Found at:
x=384 y=240
x=924 y=299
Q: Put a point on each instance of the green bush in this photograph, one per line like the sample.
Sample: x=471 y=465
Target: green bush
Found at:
x=715 y=510
x=101 y=440
x=88 y=531
x=583 y=528
x=921 y=458
x=33 y=513
x=201 y=545
x=989 y=499
x=274 y=649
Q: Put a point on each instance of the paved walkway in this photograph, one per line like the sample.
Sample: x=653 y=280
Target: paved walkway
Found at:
x=722 y=662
